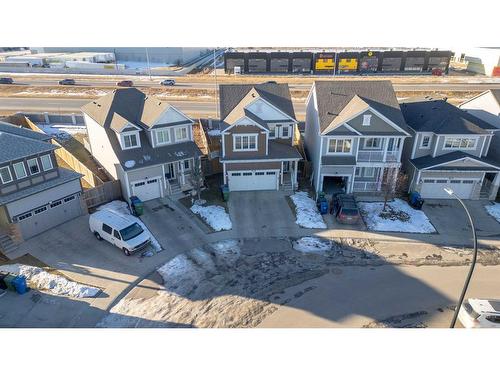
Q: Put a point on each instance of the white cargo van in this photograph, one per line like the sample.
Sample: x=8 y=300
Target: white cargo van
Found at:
x=122 y=232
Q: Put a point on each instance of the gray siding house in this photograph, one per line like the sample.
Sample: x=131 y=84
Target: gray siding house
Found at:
x=354 y=135
x=449 y=148
x=258 y=128
x=35 y=194
x=143 y=142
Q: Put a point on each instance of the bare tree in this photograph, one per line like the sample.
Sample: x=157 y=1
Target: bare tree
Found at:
x=197 y=177
x=394 y=183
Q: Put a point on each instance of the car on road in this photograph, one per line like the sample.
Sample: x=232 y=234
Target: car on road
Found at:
x=67 y=81
x=6 y=81
x=119 y=230
x=345 y=209
x=274 y=82
x=126 y=83
x=480 y=313
x=168 y=82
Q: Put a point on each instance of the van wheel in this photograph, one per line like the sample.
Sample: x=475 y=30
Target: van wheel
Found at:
x=126 y=252
x=98 y=236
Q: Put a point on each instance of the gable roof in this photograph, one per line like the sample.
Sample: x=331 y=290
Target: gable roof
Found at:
x=277 y=94
x=14 y=147
x=429 y=162
x=335 y=96
x=496 y=94
x=122 y=106
x=28 y=133
x=440 y=117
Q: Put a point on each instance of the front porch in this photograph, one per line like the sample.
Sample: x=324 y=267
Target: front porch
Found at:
x=372 y=179
x=177 y=176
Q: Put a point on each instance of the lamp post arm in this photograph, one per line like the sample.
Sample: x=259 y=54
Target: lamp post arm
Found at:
x=473 y=264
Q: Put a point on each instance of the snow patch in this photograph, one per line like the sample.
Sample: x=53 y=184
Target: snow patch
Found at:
x=494 y=210
x=417 y=221
x=312 y=245
x=130 y=164
x=214 y=132
x=40 y=279
x=215 y=216
x=121 y=208
x=306 y=211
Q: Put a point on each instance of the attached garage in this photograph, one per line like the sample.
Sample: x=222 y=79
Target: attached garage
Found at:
x=434 y=188
x=253 y=180
x=148 y=189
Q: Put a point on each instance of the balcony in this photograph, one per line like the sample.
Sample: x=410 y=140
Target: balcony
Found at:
x=378 y=156
x=366 y=186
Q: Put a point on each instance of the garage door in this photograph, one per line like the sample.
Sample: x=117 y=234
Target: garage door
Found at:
x=48 y=216
x=253 y=180
x=147 y=189
x=434 y=188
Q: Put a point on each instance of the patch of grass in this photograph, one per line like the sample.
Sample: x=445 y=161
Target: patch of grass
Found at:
x=211 y=194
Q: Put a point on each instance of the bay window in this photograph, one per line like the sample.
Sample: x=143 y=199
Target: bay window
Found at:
x=339 y=146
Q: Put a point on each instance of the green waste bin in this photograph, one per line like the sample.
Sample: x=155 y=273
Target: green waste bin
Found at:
x=9 y=279
x=225 y=192
x=137 y=206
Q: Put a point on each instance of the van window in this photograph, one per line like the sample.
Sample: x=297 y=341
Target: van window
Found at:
x=106 y=228
x=116 y=234
x=131 y=231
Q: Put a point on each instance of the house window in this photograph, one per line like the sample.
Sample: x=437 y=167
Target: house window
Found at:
x=162 y=136
x=5 y=175
x=181 y=134
x=285 y=131
x=245 y=142
x=366 y=120
x=272 y=131
x=129 y=141
x=369 y=172
x=20 y=170
x=339 y=146
x=425 y=142
x=460 y=143
x=375 y=143
x=33 y=166
x=358 y=172
x=46 y=162
x=187 y=165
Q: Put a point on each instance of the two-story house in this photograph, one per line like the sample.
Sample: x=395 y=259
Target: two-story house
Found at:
x=449 y=148
x=35 y=193
x=354 y=135
x=258 y=129
x=143 y=142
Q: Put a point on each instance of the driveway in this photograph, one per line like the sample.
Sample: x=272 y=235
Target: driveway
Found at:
x=449 y=218
x=261 y=214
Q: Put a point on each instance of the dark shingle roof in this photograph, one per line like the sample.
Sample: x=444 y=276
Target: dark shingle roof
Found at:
x=276 y=150
x=17 y=130
x=13 y=147
x=278 y=94
x=496 y=94
x=338 y=160
x=429 y=161
x=440 y=117
x=65 y=175
x=333 y=96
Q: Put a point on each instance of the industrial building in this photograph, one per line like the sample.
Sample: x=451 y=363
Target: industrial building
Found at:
x=336 y=61
x=479 y=60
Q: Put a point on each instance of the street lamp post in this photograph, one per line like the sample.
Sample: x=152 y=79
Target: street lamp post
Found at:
x=474 y=258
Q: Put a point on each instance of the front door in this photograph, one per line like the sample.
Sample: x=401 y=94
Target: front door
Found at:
x=170 y=172
x=286 y=166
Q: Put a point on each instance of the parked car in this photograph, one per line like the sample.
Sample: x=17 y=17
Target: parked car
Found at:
x=67 y=81
x=168 y=82
x=271 y=82
x=345 y=208
x=480 y=313
x=6 y=81
x=125 y=83
x=119 y=230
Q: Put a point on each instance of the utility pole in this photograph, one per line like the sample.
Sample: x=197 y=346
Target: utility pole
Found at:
x=216 y=98
x=149 y=66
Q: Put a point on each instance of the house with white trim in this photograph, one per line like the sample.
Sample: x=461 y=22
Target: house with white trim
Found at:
x=354 y=135
x=449 y=148
x=258 y=128
x=145 y=143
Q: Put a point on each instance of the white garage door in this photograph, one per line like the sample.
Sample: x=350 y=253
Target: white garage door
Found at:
x=434 y=188
x=147 y=189
x=253 y=180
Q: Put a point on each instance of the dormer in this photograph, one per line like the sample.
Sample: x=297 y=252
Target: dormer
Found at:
x=172 y=126
x=126 y=132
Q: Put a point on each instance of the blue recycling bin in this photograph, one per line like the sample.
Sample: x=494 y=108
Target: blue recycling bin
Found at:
x=415 y=200
x=322 y=205
x=19 y=283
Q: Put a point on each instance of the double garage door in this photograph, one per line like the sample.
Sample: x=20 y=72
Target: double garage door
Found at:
x=434 y=188
x=148 y=189
x=253 y=180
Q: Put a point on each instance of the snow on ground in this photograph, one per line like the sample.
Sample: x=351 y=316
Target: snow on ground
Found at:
x=121 y=208
x=37 y=278
x=215 y=216
x=306 y=211
x=66 y=92
x=494 y=210
x=214 y=132
x=62 y=131
x=413 y=221
x=312 y=245
x=142 y=64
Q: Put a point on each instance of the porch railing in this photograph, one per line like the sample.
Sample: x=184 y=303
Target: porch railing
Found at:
x=370 y=156
x=392 y=156
x=366 y=186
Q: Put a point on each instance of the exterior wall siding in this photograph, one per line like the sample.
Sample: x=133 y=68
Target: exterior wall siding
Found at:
x=252 y=166
x=250 y=129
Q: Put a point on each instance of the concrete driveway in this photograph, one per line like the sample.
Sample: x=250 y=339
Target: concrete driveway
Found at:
x=449 y=218
x=261 y=214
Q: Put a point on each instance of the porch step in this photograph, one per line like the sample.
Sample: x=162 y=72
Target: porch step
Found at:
x=484 y=195
x=7 y=245
x=287 y=186
x=175 y=188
